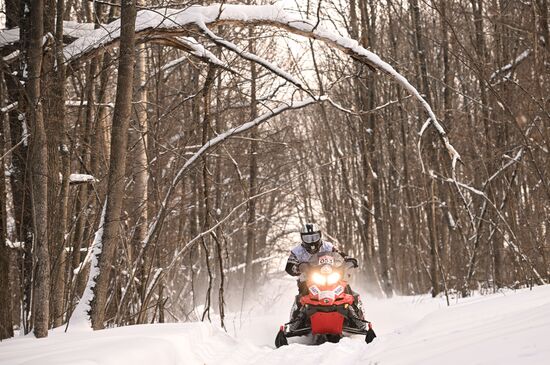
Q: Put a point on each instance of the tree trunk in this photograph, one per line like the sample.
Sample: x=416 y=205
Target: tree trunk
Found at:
x=6 y=325
x=39 y=163
x=140 y=171
x=207 y=201
x=373 y=157
x=58 y=165
x=117 y=166
x=252 y=179
x=83 y=201
x=20 y=172
x=429 y=183
x=219 y=206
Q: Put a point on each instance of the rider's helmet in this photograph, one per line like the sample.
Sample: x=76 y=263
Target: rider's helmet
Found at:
x=311 y=237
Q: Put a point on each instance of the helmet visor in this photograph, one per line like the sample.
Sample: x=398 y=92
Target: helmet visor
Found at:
x=311 y=237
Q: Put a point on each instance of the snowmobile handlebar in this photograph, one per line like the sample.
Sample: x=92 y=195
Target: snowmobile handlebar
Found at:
x=351 y=263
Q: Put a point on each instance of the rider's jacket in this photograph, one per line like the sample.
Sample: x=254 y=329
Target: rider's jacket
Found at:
x=299 y=255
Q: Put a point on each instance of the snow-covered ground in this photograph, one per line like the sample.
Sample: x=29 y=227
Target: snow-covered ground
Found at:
x=504 y=328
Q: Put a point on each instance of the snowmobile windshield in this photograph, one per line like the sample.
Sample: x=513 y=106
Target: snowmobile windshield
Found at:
x=321 y=259
x=326 y=268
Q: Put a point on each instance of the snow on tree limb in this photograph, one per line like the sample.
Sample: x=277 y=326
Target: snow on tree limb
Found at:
x=178 y=22
x=71 y=30
x=505 y=71
x=81 y=179
x=157 y=221
x=9 y=37
x=166 y=25
x=194 y=48
x=251 y=57
x=153 y=283
x=513 y=160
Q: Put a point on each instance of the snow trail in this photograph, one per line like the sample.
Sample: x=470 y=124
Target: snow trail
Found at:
x=504 y=328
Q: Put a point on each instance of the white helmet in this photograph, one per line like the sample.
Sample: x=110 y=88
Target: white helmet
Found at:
x=311 y=237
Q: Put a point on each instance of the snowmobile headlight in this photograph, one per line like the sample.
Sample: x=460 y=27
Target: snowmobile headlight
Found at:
x=333 y=278
x=318 y=278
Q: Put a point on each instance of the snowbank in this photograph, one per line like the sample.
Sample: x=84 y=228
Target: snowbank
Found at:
x=147 y=344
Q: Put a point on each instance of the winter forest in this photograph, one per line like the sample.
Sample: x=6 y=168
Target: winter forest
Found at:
x=159 y=156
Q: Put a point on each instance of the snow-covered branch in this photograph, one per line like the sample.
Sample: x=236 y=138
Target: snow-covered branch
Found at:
x=504 y=72
x=81 y=179
x=9 y=107
x=170 y=25
x=517 y=158
x=71 y=31
x=194 y=48
x=178 y=22
x=252 y=57
x=157 y=221
x=83 y=103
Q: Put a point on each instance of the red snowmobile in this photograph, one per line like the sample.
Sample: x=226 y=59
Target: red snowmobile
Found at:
x=330 y=308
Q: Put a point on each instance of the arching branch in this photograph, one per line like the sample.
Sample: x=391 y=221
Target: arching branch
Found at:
x=164 y=208
x=195 y=19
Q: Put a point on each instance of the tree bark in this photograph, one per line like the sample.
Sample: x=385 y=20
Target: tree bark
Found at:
x=20 y=180
x=6 y=325
x=39 y=163
x=117 y=167
x=59 y=165
x=207 y=201
x=429 y=183
x=252 y=179
x=140 y=169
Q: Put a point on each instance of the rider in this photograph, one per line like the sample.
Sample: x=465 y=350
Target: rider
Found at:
x=300 y=255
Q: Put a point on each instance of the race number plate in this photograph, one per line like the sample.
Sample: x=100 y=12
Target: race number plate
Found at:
x=326 y=260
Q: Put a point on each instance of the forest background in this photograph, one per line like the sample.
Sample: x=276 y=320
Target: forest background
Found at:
x=113 y=193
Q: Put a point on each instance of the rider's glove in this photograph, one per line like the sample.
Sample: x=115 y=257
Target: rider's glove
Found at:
x=351 y=262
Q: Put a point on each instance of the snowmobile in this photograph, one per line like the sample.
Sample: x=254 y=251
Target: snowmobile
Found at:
x=329 y=309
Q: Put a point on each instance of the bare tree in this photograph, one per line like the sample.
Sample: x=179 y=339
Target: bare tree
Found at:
x=117 y=165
